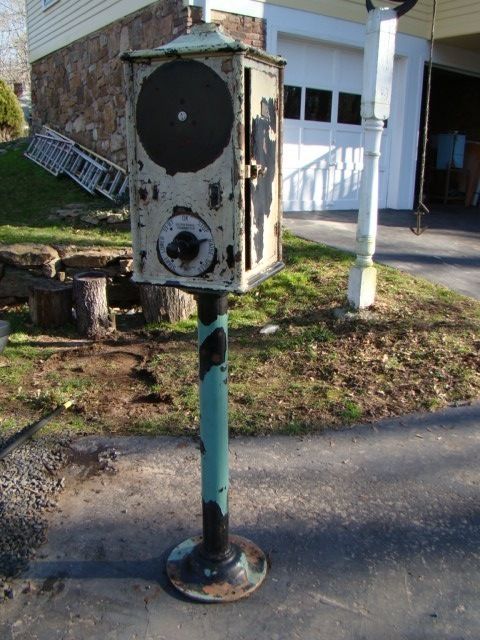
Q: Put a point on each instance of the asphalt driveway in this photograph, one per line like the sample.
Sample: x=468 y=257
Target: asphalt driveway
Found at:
x=372 y=534
x=447 y=253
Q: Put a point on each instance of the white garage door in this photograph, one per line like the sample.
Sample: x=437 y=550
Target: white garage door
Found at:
x=323 y=155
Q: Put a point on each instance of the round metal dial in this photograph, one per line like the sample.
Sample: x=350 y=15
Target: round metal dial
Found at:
x=185 y=245
x=184 y=116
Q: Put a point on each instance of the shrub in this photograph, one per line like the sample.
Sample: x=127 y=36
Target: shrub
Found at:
x=11 y=114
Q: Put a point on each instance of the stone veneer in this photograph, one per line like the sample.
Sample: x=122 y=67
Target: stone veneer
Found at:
x=78 y=90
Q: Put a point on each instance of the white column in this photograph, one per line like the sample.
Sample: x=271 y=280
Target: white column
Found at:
x=376 y=97
x=206 y=11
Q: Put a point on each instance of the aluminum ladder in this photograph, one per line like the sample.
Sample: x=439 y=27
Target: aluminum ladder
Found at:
x=50 y=151
x=60 y=155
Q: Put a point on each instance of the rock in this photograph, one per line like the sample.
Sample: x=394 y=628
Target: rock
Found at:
x=69 y=213
x=125 y=266
x=114 y=218
x=90 y=220
x=110 y=270
x=78 y=124
x=92 y=258
x=64 y=249
x=16 y=283
x=49 y=270
x=27 y=255
x=28 y=485
x=268 y=329
x=117 y=142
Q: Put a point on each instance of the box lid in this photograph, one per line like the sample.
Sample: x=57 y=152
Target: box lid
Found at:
x=203 y=38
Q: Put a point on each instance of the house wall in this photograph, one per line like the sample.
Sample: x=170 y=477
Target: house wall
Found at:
x=247 y=28
x=457 y=18
x=79 y=89
x=416 y=22
x=66 y=21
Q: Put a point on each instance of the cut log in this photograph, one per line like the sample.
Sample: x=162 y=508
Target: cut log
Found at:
x=90 y=302
x=165 y=303
x=50 y=305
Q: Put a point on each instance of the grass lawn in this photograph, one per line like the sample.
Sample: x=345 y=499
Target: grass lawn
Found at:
x=418 y=348
x=28 y=194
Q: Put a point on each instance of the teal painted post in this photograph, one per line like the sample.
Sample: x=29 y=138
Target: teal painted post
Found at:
x=213 y=386
x=215 y=567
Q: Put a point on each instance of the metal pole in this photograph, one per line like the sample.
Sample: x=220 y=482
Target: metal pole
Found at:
x=215 y=567
x=213 y=387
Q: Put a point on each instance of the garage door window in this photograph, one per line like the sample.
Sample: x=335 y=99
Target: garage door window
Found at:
x=349 y=108
x=293 y=100
x=318 y=105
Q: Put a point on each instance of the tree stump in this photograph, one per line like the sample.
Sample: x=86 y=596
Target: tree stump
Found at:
x=165 y=303
x=50 y=305
x=90 y=302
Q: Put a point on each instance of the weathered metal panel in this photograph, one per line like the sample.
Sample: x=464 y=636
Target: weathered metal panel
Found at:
x=163 y=192
x=187 y=139
x=264 y=128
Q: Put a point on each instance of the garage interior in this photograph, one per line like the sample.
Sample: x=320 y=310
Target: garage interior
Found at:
x=452 y=172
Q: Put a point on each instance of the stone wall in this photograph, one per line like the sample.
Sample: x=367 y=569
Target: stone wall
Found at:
x=253 y=31
x=79 y=89
x=24 y=266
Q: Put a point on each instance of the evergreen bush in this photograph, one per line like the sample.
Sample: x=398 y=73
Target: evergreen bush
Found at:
x=11 y=114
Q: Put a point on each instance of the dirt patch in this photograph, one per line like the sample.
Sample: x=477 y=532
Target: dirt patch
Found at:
x=113 y=382
x=418 y=349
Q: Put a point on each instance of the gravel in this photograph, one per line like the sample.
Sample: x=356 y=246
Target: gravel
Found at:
x=30 y=480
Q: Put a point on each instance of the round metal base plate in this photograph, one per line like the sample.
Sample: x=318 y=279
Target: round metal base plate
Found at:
x=231 y=579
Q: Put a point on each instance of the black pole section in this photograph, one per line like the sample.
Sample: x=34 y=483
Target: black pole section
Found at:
x=18 y=438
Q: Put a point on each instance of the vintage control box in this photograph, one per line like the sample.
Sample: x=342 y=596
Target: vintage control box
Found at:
x=204 y=132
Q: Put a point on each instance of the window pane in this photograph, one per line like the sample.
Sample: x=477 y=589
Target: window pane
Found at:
x=318 y=105
x=349 y=108
x=292 y=100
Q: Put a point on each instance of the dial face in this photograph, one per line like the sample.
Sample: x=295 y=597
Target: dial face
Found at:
x=185 y=245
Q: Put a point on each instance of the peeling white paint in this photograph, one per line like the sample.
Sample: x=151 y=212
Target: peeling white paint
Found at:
x=247 y=246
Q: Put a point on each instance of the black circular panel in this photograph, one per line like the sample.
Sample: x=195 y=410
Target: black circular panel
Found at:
x=184 y=116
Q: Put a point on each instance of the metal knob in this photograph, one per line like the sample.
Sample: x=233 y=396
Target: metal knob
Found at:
x=185 y=246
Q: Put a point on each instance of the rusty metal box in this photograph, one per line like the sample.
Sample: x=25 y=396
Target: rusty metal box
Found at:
x=204 y=133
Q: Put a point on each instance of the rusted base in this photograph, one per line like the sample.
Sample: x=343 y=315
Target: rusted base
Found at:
x=200 y=578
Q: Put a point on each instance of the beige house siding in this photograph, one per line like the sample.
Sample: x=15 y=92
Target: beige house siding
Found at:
x=416 y=23
x=68 y=20
x=458 y=18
